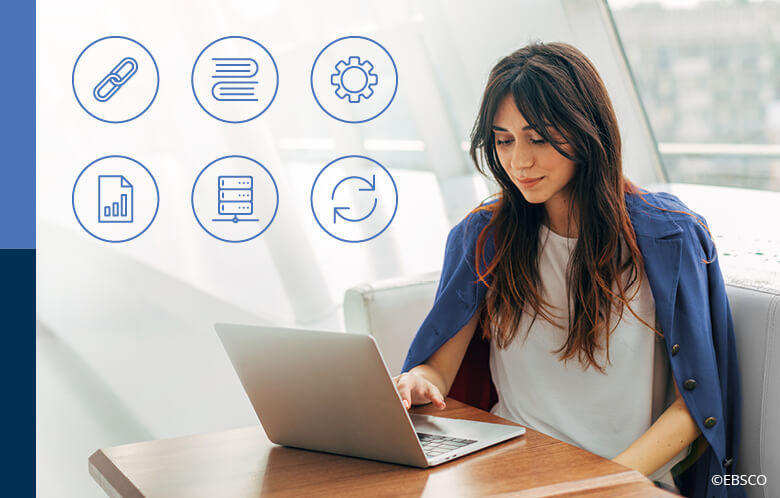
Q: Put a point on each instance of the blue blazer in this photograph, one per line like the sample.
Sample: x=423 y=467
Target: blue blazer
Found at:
x=692 y=311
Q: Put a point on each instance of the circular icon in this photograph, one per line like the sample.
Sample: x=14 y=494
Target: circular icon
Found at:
x=354 y=79
x=354 y=198
x=115 y=198
x=234 y=79
x=235 y=199
x=115 y=79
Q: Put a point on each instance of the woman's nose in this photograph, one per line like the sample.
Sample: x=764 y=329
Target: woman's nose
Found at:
x=522 y=158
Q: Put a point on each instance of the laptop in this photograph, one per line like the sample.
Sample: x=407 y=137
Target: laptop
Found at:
x=332 y=392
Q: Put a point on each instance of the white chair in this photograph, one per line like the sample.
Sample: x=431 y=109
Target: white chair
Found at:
x=392 y=310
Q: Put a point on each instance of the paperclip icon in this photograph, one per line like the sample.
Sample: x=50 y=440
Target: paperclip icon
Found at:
x=114 y=80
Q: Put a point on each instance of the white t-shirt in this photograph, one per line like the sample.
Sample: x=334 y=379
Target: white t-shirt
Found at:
x=601 y=412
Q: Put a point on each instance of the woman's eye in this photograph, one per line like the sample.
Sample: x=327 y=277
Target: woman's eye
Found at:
x=509 y=140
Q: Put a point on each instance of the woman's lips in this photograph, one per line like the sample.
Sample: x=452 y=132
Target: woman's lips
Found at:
x=529 y=182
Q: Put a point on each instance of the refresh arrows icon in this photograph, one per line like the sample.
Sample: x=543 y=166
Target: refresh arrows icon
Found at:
x=337 y=211
x=354 y=188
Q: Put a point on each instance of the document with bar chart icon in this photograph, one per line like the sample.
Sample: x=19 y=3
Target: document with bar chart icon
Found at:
x=115 y=199
x=235 y=197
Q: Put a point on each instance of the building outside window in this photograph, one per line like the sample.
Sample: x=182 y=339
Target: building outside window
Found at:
x=708 y=74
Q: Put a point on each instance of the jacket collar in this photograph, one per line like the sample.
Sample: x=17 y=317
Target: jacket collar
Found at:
x=648 y=216
x=660 y=242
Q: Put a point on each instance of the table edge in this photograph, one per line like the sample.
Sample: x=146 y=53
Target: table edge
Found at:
x=110 y=478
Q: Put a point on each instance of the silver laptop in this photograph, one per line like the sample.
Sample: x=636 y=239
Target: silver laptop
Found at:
x=332 y=392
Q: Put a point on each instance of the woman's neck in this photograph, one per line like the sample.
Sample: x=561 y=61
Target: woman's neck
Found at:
x=561 y=218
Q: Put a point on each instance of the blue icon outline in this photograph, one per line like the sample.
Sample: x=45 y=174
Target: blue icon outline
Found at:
x=337 y=213
x=314 y=93
x=221 y=202
x=156 y=72
x=370 y=79
x=235 y=79
x=115 y=78
x=221 y=97
x=221 y=63
x=273 y=181
x=371 y=184
x=371 y=188
x=115 y=210
x=354 y=156
x=156 y=189
x=276 y=70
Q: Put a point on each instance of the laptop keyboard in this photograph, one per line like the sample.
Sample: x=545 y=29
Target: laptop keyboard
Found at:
x=434 y=445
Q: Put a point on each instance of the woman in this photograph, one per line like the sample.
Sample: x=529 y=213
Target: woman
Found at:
x=575 y=303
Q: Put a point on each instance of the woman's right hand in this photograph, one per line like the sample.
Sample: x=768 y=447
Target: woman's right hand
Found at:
x=417 y=390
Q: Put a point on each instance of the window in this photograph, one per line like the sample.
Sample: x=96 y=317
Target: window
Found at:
x=708 y=85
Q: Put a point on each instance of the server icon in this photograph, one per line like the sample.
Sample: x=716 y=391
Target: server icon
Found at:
x=235 y=198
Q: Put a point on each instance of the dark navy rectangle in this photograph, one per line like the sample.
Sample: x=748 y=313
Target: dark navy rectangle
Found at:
x=17 y=369
x=17 y=128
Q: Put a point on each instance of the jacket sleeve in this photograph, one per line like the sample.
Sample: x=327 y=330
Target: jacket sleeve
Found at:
x=459 y=293
x=720 y=457
x=726 y=358
x=722 y=343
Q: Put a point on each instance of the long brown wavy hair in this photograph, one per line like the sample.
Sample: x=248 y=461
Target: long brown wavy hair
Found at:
x=556 y=83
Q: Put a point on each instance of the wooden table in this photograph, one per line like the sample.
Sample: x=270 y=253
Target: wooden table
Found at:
x=243 y=463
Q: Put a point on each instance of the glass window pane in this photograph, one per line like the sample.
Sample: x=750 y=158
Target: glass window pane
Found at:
x=707 y=73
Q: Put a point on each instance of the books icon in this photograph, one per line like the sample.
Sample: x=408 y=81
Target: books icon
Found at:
x=235 y=196
x=238 y=75
x=115 y=199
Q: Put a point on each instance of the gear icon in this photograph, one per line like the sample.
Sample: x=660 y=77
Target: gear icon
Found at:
x=354 y=79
